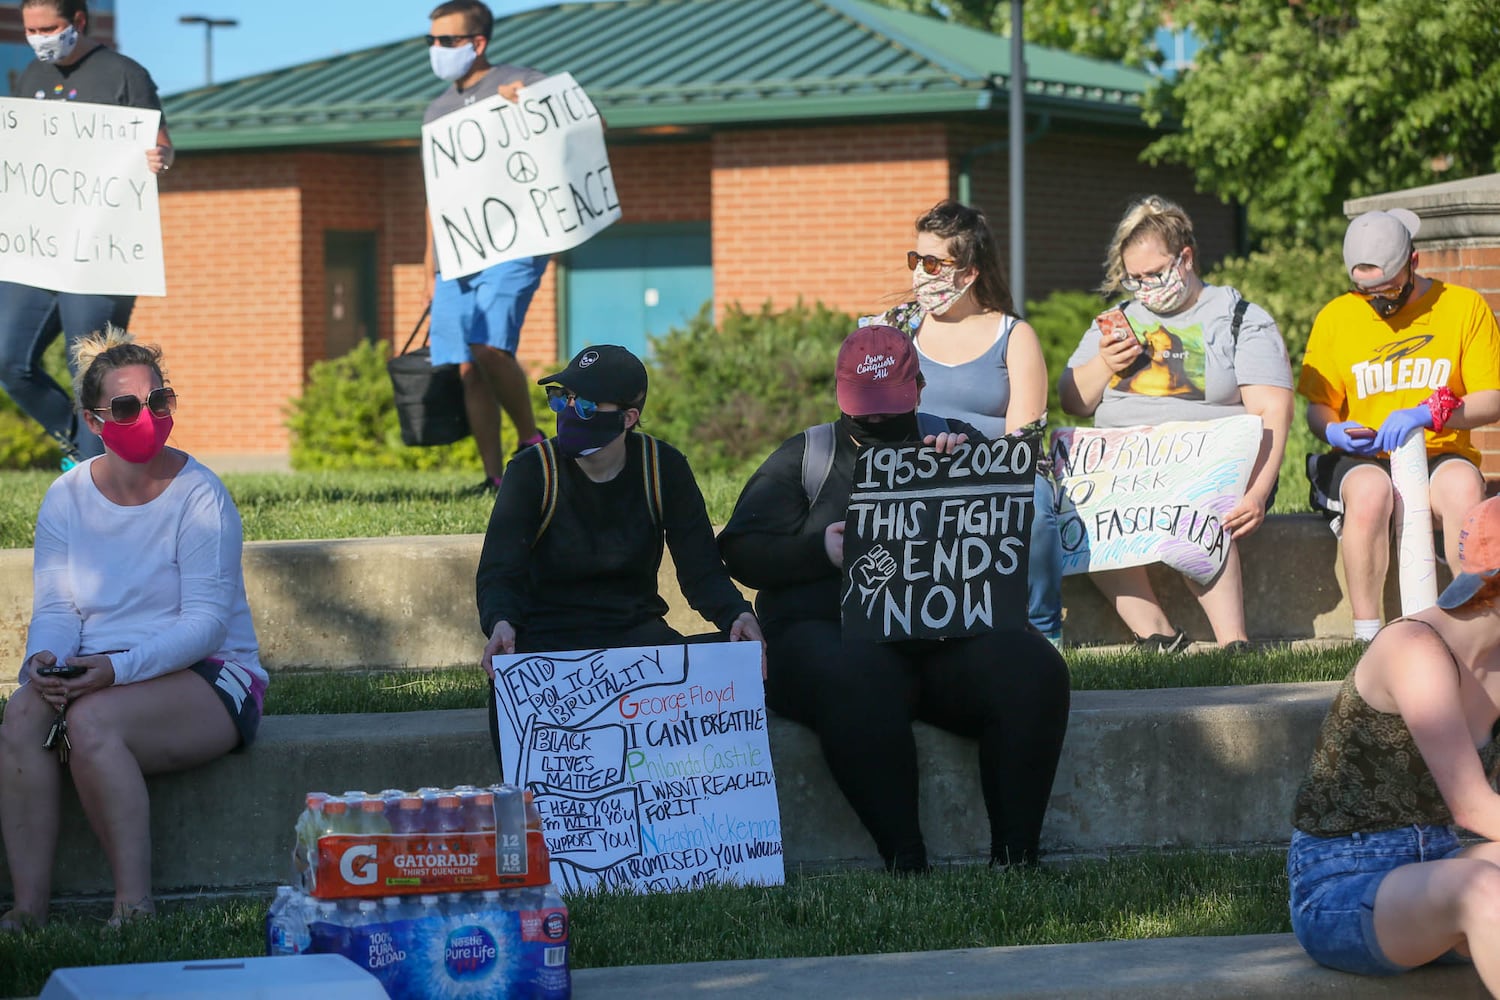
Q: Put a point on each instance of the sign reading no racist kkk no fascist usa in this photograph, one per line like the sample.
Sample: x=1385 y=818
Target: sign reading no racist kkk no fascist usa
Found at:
x=78 y=206
x=650 y=765
x=938 y=545
x=508 y=180
x=1130 y=496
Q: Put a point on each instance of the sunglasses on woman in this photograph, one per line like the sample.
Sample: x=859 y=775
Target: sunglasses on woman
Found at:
x=162 y=402
x=930 y=264
x=558 y=399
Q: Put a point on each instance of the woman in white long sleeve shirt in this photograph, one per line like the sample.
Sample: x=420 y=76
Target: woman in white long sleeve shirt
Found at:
x=140 y=633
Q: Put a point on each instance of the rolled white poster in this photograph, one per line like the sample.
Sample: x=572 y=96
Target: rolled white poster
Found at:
x=1416 y=562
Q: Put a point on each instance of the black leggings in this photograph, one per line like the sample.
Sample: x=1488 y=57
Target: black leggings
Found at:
x=1008 y=690
x=655 y=632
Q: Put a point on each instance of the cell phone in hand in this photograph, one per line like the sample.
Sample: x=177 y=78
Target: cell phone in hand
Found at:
x=1361 y=433
x=1114 y=326
x=63 y=670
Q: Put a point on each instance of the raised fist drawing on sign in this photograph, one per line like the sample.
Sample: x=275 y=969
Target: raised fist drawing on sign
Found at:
x=870 y=573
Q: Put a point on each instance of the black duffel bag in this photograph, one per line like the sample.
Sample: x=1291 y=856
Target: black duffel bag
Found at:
x=429 y=399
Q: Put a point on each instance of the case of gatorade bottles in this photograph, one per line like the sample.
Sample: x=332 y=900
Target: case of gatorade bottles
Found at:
x=432 y=840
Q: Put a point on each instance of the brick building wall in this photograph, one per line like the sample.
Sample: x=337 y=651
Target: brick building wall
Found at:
x=1476 y=267
x=821 y=213
x=1077 y=187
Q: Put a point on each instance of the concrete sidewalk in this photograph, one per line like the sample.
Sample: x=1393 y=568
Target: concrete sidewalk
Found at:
x=1254 y=967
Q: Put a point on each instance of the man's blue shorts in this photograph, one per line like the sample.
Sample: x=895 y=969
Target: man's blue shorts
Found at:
x=1333 y=883
x=487 y=307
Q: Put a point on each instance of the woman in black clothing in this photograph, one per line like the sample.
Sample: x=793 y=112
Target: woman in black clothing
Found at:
x=1009 y=690
x=571 y=556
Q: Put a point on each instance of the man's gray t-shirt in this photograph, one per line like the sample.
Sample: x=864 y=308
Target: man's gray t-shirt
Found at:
x=102 y=76
x=452 y=99
x=1192 y=368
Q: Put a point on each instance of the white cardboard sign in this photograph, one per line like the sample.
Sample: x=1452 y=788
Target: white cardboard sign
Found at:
x=78 y=205
x=508 y=180
x=650 y=765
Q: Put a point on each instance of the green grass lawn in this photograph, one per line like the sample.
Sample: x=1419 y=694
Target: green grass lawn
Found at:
x=1141 y=896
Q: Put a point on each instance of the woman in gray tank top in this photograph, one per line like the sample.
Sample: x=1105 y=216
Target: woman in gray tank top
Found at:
x=982 y=365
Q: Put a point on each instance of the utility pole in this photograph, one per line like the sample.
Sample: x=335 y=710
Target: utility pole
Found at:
x=209 y=24
x=1017 y=157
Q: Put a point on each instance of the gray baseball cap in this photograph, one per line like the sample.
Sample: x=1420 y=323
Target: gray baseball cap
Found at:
x=1380 y=239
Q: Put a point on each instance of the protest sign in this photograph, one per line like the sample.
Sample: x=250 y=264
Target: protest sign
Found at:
x=938 y=545
x=650 y=765
x=78 y=208
x=1135 y=495
x=508 y=180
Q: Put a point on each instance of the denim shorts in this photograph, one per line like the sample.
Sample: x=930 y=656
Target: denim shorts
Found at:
x=483 y=308
x=1333 y=885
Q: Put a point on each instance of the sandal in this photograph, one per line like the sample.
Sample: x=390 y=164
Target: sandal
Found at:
x=129 y=913
x=18 y=922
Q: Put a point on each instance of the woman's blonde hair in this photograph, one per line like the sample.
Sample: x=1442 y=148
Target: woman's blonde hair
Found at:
x=1152 y=216
x=104 y=351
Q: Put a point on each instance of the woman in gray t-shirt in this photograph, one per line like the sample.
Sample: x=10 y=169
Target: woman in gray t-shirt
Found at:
x=1186 y=362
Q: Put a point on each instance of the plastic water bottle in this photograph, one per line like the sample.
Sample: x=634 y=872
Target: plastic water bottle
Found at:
x=372 y=816
x=450 y=817
x=273 y=918
x=308 y=825
x=407 y=816
x=328 y=929
x=553 y=979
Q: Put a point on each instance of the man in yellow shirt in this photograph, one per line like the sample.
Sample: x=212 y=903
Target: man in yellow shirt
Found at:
x=1398 y=351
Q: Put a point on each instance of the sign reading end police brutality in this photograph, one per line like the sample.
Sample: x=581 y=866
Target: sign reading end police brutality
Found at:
x=508 y=180
x=938 y=545
x=650 y=765
x=78 y=206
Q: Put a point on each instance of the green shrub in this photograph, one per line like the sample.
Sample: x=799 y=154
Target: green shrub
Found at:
x=1291 y=283
x=1060 y=321
x=346 y=419
x=727 y=395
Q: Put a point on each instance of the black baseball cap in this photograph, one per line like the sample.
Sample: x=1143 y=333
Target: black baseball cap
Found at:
x=604 y=373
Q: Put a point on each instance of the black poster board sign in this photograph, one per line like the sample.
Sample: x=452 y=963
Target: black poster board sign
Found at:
x=937 y=546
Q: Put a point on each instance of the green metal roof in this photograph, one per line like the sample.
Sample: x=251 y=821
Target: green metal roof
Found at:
x=653 y=63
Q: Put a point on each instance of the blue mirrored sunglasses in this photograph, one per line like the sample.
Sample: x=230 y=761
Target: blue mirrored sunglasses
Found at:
x=558 y=399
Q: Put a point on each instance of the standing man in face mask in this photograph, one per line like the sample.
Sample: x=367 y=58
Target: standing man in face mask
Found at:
x=1397 y=352
x=476 y=320
x=69 y=66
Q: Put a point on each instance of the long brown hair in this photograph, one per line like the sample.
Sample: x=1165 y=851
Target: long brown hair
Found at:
x=970 y=244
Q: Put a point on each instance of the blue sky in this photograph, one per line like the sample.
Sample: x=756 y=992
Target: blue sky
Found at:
x=271 y=34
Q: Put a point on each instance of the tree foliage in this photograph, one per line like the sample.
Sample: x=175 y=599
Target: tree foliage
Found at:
x=1296 y=105
x=1117 y=30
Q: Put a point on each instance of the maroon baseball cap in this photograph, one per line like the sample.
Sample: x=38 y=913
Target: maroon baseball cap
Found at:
x=877 y=372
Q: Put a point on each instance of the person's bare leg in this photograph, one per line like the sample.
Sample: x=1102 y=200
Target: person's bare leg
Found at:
x=484 y=419
x=1129 y=591
x=1456 y=487
x=1223 y=600
x=30 y=793
x=122 y=734
x=509 y=385
x=1365 y=544
x=1424 y=910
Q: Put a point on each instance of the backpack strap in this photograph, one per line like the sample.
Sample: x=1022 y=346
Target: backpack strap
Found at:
x=817 y=460
x=1239 y=317
x=546 y=453
x=651 y=475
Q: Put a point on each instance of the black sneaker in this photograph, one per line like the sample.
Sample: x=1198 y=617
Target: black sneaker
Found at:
x=488 y=485
x=1163 y=643
x=1239 y=647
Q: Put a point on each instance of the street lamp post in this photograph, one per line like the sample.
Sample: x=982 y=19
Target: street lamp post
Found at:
x=209 y=24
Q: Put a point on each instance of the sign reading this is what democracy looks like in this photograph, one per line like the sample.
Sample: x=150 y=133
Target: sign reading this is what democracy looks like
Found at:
x=78 y=205
x=508 y=180
x=937 y=545
x=1135 y=495
x=650 y=765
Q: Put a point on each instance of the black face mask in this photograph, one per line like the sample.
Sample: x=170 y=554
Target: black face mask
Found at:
x=891 y=430
x=1387 y=306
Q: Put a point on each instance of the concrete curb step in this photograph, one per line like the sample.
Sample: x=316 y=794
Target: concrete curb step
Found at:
x=1253 y=967
x=1189 y=767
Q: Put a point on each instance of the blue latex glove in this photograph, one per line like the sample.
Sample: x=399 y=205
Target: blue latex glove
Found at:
x=1399 y=424
x=1338 y=436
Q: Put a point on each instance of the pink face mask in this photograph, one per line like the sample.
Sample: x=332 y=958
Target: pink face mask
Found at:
x=138 y=442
